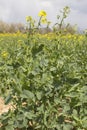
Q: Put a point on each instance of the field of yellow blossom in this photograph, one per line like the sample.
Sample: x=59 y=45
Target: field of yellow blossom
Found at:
x=44 y=77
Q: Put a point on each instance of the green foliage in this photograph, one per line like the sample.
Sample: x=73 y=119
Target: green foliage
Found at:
x=59 y=26
x=46 y=81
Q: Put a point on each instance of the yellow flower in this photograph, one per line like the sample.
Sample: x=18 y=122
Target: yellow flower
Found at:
x=28 y=18
x=69 y=36
x=4 y=54
x=19 y=42
x=43 y=20
x=42 y=13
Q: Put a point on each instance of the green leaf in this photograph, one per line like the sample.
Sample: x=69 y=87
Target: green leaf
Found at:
x=73 y=87
x=67 y=127
x=39 y=95
x=28 y=94
x=8 y=99
x=9 y=127
x=29 y=115
x=37 y=127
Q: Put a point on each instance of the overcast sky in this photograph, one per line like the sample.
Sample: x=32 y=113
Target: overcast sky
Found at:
x=17 y=10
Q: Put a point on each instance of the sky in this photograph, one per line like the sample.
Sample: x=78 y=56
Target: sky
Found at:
x=15 y=11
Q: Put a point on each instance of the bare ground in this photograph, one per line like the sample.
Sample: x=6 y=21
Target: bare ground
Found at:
x=3 y=107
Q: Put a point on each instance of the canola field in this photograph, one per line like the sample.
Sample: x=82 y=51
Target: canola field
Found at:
x=44 y=77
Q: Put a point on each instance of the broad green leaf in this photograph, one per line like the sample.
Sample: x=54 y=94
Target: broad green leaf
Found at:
x=29 y=94
x=9 y=127
x=8 y=99
x=39 y=95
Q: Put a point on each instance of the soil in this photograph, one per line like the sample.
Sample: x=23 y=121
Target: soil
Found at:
x=3 y=107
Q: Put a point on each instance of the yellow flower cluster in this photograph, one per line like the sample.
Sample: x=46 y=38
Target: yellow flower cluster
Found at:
x=17 y=34
x=28 y=18
x=42 y=13
x=4 y=54
x=43 y=20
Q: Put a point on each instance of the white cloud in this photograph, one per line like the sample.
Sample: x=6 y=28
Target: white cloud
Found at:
x=79 y=18
x=4 y=13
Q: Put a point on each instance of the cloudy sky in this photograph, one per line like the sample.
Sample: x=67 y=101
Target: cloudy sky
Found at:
x=17 y=10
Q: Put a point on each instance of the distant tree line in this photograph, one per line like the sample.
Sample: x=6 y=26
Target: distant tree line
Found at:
x=11 y=27
x=14 y=27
